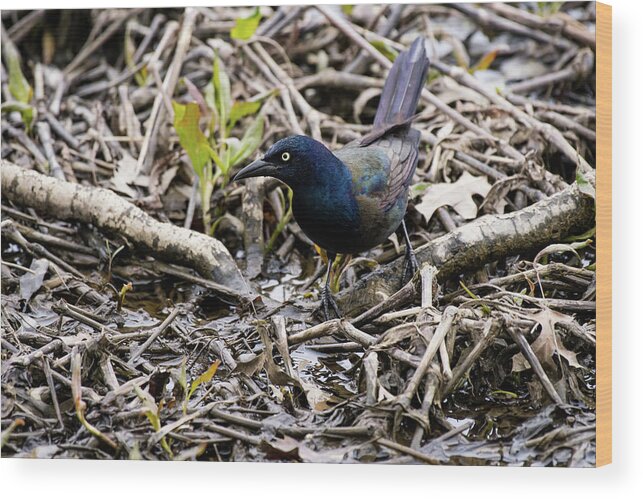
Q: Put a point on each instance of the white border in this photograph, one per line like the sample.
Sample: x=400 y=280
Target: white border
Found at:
x=51 y=479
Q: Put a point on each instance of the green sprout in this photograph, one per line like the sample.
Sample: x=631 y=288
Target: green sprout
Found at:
x=19 y=87
x=245 y=27
x=187 y=388
x=153 y=413
x=215 y=153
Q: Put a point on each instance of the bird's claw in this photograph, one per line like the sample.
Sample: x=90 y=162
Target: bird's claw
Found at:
x=411 y=265
x=326 y=300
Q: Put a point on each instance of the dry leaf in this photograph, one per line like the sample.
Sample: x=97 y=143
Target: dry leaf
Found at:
x=250 y=363
x=547 y=343
x=281 y=448
x=458 y=195
x=495 y=201
x=124 y=176
x=30 y=282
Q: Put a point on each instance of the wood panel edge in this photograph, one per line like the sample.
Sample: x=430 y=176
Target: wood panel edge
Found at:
x=604 y=234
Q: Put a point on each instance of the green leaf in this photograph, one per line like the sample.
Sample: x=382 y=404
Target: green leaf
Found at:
x=222 y=98
x=347 y=9
x=242 y=109
x=250 y=141
x=511 y=395
x=232 y=147
x=14 y=105
x=208 y=95
x=245 y=27
x=584 y=185
x=383 y=48
x=485 y=308
x=419 y=188
x=186 y=123
x=25 y=110
x=205 y=377
x=151 y=409
x=589 y=234
x=27 y=117
x=18 y=85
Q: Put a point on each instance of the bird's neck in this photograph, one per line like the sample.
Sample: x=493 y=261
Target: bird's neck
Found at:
x=326 y=177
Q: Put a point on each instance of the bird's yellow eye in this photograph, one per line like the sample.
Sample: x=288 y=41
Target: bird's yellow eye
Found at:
x=285 y=156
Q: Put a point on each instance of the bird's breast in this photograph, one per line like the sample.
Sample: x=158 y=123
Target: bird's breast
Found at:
x=349 y=225
x=330 y=220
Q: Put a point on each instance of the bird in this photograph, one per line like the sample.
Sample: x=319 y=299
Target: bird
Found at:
x=351 y=200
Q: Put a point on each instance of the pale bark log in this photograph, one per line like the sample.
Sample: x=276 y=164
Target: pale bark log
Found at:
x=109 y=212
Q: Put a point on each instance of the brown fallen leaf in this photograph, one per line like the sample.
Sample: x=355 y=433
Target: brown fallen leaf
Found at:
x=458 y=195
x=30 y=282
x=495 y=200
x=547 y=343
x=281 y=448
x=250 y=363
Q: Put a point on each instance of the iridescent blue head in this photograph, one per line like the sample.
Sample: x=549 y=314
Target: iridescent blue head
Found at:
x=295 y=160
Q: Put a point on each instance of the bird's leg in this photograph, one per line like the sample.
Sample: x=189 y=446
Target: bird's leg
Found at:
x=410 y=262
x=326 y=296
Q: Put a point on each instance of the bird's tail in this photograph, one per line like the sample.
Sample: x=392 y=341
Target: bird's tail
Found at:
x=403 y=86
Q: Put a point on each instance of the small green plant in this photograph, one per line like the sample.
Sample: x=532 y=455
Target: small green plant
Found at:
x=547 y=9
x=205 y=377
x=473 y=296
x=245 y=27
x=340 y=264
x=153 y=413
x=111 y=255
x=19 y=87
x=121 y=295
x=215 y=153
x=388 y=52
x=188 y=389
x=482 y=65
x=79 y=404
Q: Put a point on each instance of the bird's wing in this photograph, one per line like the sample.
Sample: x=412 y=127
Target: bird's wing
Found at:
x=383 y=161
x=392 y=130
x=383 y=169
x=401 y=148
x=369 y=167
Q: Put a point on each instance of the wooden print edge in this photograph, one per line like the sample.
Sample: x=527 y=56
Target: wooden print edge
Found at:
x=604 y=234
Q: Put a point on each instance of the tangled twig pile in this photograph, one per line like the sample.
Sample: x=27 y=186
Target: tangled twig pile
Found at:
x=119 y=343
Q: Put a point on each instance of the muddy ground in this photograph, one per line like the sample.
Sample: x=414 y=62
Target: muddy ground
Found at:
x=110 y=351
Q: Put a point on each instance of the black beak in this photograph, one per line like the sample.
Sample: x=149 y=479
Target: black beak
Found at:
x=259 y=168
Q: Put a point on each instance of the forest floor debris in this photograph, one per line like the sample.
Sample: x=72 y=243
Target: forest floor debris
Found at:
x=108 y=352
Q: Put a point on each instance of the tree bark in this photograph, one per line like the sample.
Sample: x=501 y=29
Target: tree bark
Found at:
x=109 y=212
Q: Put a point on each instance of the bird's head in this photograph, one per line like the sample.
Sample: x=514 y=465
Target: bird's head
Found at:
x=290 y=160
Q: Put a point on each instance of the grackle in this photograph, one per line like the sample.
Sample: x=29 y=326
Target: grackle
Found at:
x=353 y=199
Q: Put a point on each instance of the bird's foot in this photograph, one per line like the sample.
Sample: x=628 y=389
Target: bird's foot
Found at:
x=410 y=265
x=326 y=301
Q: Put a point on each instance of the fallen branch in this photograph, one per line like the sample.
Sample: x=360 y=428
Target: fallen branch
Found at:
x=553 y=24
x=484 y=240
x=107 y=211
